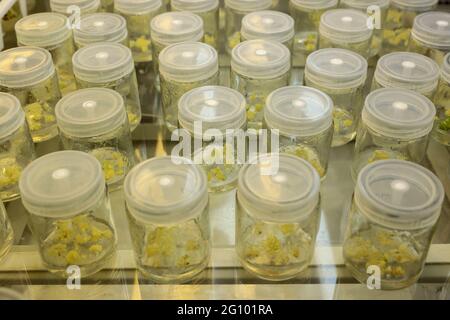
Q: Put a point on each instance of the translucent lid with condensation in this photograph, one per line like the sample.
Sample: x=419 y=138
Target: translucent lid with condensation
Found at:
x=399 y=194
x=433 y=29
x=12 y=116
x=62 y=184
x=137 y=7
x=102 y=62
x=417 y=5
x=25 y=67
x=101 y=27
x=261 y=59
x=407 y=70
x=314 y=4
x=268 y=25
x=196 y=6
x=279 y=188
x=248 y=5
x=166 y=190
x=345 y=25
x=86 y=6
x=173 y=27
x=364 y=4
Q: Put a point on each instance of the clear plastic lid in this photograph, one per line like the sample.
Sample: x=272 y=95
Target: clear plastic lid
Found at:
x=173 y=27
x=196 y=6
x=346 y=25
x=445 y=72
x=43 y=29
x=261 y=59
x=314 y=4
x=62 y=184
x=364 y=4
x=433 y=29
x=102 y=62
x=166 y=190
x=407 y=70
x=417 y=5
x=188 y=62
x=248 y=5
x=399 y=113
x=268 y=25
x=86 y=6
x=12 y=116
x=90 y=112
x=336 y=68
x=299 y=111
x=279 y=188
x=101 y=27
x=137 y=7
x=25 y=67
x=399 y=194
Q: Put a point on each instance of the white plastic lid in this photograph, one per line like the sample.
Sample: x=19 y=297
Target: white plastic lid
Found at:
x=399 y=194
x=433 y=29
x=25 y=66
x=260 y=59
x=336 y=68
x=43 y=29
x=248 y=5
x=445 y=72
x=419 y=5
x=85 y=6
x=12 y=116
x=188 y=62
x=399 y=113
x=289 y=194
x=407 y=70
x=173 y=27
x=299 y=111
x=364 y=4
x=136 y=7
x=268 y=25
x=196 y=6
x=90 y=112
x=314 y=4
x=166 y=190
x=347 y=25
x=101 y=27
x=62 y=184
x=102 y=62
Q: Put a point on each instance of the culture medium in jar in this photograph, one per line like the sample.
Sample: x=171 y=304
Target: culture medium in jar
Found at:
x=6 y=233
x=220 y=112
x=341 y=74
x=69 y=212
x=16 y=146
x=28 y=73
x=345 y=29
x=278 y=214
x=259 y=67
x=51 y=31
x=430 y=35
x=442 y=102
x=183 y=67
x=107 y=5
x=73 y=7
x=95 y=121
x=167 y=207
x=407 y=70
x=395 y=124
x=208 y=10
x=139 y=14
x=110 y=65
x=303 y=117
x=395 y=209
x=235 y=11
x=101 y=27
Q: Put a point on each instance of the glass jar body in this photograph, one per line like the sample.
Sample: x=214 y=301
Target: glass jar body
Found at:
x=6 y=233
x=233 y=24
x=437 y=54
x=360 y=47
x=441 y=100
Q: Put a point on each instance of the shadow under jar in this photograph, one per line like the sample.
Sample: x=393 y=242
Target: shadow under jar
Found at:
x=442 y=102
x=94 y=121
x=6 y=233
x=66 y=7
x=167 y=207
x=69 y=212
x=395 y=124
x=395 y=209
x=341 y=74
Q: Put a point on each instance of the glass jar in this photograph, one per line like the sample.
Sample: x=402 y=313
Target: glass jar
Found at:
x=95 y=121
x=395 y=124
x=51 y=31
x=303 y=117
x=69 y=212
x=208 y=10
x=213 y=117
x=430 y=35
x=345 y=29
x=6 y=233
x=110 y=65
x=307 y=14
x=441 y=132
x=407 y=70
x=399 y=21
x=107 y=5
x=8 y=21
x=167 y=208
x=259 y=67
x=16 y=146
x=29 y=74
x=183 y=67
x=139 y=14
x=235 y=11
x=341 y=74
x=101 y=27
x=278 y=214
x=67 y=6
x=395 y=208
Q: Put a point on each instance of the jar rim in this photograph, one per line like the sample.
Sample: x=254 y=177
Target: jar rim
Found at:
x=446 y=68
x=248 y=5
x=184 y=26
x=85 y=6
x=314 y=4
x=12 y=116
x=273 y=25
x=137 y=7
x=346 y=25
x=414 y=4
x=195 y=6
x=363 y=5
x=432 y=29
x=116 y=29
